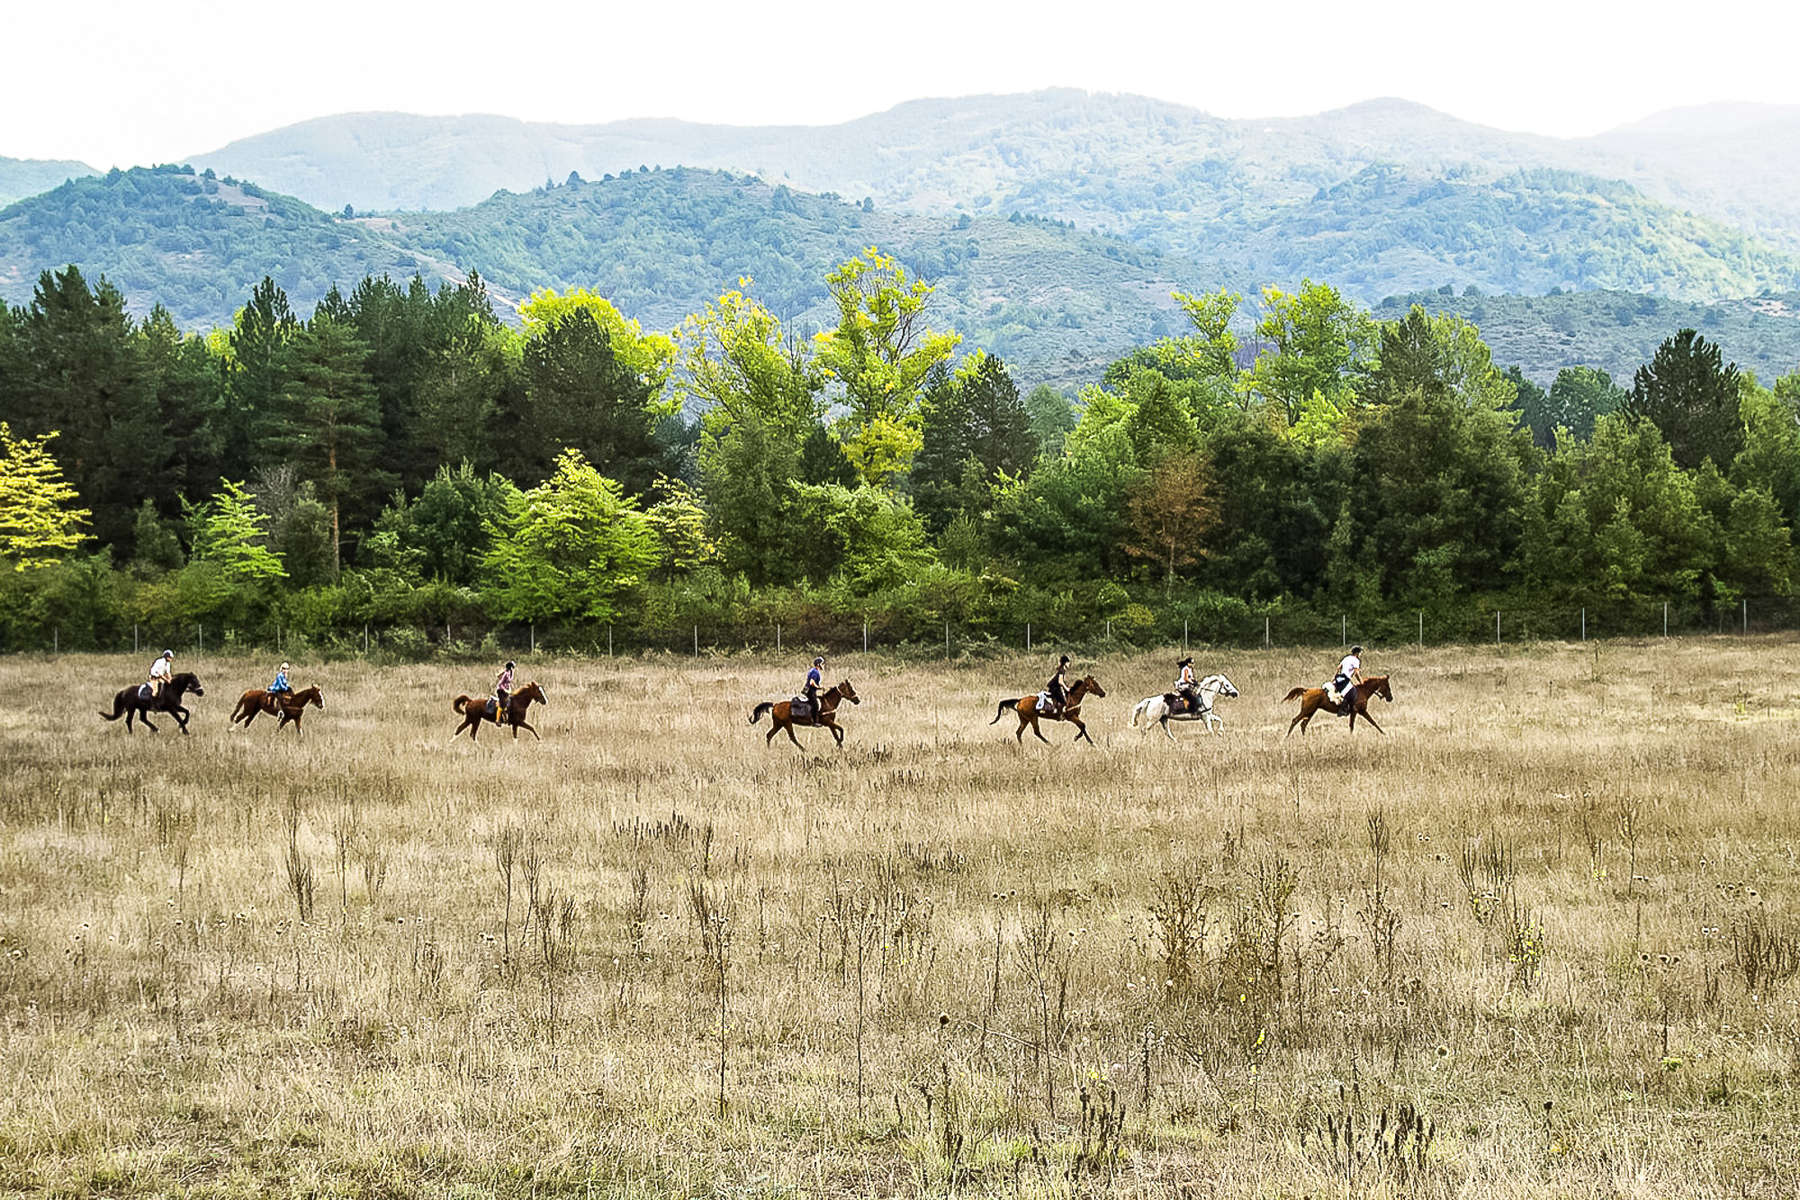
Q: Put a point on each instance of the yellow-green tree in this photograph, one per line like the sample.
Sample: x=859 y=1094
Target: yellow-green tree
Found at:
x=650 y=355
x=881 y=353
x=39 y=522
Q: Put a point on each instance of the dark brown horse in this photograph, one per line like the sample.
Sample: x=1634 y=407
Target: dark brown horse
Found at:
x=1313 y=699
x=781 y=714
x=474 y=712
x=1027 y=709
x=289 y=706
x=132 y=702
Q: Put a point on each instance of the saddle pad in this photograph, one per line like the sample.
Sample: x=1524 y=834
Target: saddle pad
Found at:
x=493 y=709
x=799 y=707
x=144 y=692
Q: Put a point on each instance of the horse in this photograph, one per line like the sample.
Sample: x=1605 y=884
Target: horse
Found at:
x=132 y=702
x=289 y=706
x=781 y=714
x=1161 y=709
x=517 y=705
x=1313 y=699
x=1027 y=709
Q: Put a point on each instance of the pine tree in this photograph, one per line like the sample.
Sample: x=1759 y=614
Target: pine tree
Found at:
x=1687 y=392
x=329 y=422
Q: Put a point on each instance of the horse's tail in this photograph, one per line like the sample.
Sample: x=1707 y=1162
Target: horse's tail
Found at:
x=1142 y=710
x=1296 y=693
x=757 y=712
x=460 y=703
x=1001 y=711
x=118 y=709
x=239 y=710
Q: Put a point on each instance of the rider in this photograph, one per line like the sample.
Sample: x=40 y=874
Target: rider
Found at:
x=281 y=686
x=1184 y=686
x=815 y=679
x=1349 y=674
x=159 y=673
x=1058 y=687
x=503 y=690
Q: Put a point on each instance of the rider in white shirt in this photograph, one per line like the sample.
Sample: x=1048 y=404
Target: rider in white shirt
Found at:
x=1185 y=687
x=1349 y=674
x=159 y=673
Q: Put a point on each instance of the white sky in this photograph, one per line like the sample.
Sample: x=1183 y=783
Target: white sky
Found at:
x=118 y=82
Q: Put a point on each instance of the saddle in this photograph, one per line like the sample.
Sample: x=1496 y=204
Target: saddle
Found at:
x=492 y=709
x=799 y=708
x=145 y=691
x=1179 y=705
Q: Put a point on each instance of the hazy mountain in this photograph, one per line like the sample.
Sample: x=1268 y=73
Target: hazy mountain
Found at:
x=21 y=177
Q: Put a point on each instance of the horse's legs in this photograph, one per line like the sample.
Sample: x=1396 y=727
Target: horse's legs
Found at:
x=1371 y=720
x=774 y=728
x=789 y=726
x=837 y=731
x=1082 y=731
x=144 y=720
x=1167 y=732
x=526 y=725
x=1037 y=732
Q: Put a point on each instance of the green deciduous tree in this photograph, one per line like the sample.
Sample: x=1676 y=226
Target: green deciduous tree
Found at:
x=1318 y=344
x=230 y=533
x=570 y=547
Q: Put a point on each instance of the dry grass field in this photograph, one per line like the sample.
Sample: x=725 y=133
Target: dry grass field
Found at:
x=1539 y=940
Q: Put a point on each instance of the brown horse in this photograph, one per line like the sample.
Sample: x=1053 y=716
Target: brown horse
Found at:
x=1027 y=709
x=1313 y=699
x=781 y=714
x=289 y=706
x=132 y=701
x=474 y=712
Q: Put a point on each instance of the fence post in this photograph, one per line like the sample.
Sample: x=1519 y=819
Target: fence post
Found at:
x=1343 y=631
x=1184 y=646
x=365 y=637
x=134 y=637
x=1496 y=627
x=609 y=652
x=1665 y=618
x=1421 y=629
x=865 y=635
x=778 y=637
x=1109 y=629
x=56 y=639
x=1028 y=637
x=946 y=639
x=1584 y=622
x=1746 y=603
x=534 y=637
x=1265 y=631
x=200 y=638
x=696 y=641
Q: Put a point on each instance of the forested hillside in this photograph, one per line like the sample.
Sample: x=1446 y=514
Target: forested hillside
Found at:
x=21 y=177
x=194 y=244
x=1615 y=331
x=1408 y=196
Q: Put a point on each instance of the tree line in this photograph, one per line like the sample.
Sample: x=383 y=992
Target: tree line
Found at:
x=402 y=458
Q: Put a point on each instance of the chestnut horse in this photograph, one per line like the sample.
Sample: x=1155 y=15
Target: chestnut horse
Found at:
x=1313 y=699
x=1027 y=708
x=475 y=711
x=132 y=702
x=781 y=714
x=289 y=706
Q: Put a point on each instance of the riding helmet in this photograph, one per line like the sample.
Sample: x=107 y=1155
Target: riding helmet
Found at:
x=1064 y=661
x=509 y=664
x=284 y=666
x=168 y=654
x=819 y=661
x=1356 y=650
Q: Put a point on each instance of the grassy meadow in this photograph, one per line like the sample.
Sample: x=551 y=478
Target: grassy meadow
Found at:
x=1539 y=940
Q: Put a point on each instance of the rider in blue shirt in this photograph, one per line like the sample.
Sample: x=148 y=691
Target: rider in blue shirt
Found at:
x=281 y=683
x=815 y=678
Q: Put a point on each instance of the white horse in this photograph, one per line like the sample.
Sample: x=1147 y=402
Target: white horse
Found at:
x=1155 y=709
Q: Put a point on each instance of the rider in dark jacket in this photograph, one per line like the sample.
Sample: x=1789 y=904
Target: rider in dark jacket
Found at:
x=815 y=678
x=1058 y=687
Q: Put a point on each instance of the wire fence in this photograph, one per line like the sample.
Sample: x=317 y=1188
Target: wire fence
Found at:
x=906 y=634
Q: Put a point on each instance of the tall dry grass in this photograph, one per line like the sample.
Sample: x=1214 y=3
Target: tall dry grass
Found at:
x=1540 y=940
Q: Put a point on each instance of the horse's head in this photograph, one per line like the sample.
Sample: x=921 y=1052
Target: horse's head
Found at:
x=1380 y=687
x=846 y=692
x=1220 y=685
x=1089 y=686
x=314 y=695
x=533 y=693
x=186 y=681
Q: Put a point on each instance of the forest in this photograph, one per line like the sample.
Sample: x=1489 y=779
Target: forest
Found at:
x=402 y=465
